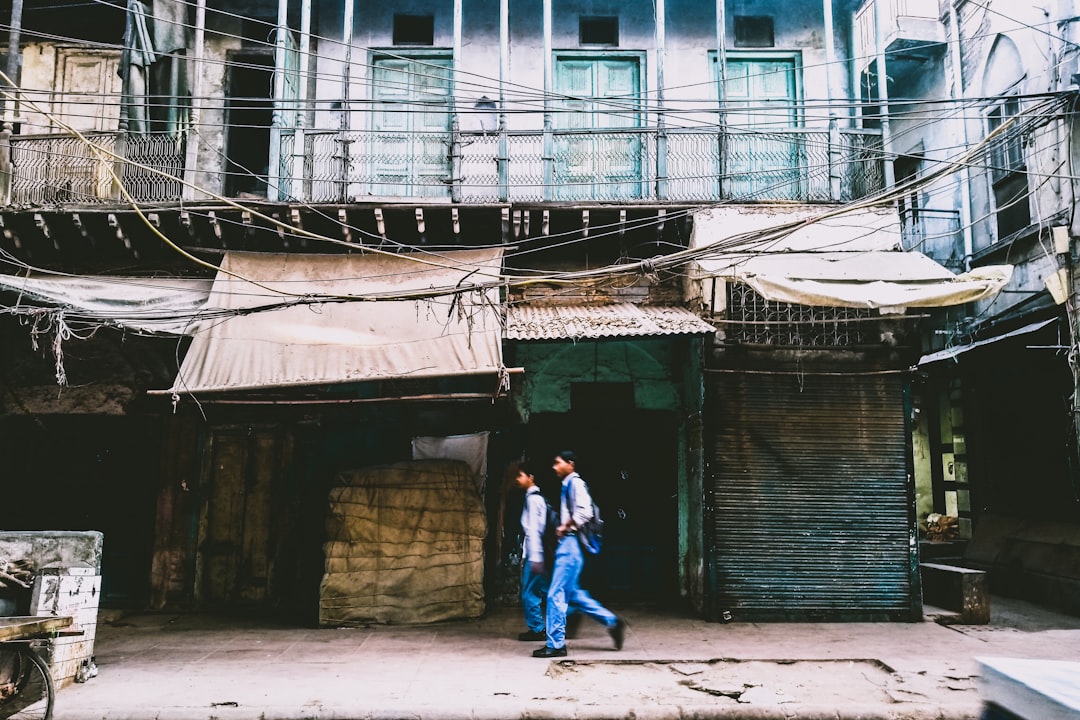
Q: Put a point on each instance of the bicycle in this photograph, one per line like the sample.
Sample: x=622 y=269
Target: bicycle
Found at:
x=26 y=685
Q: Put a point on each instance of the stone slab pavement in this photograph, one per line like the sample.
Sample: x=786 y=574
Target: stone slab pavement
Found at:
x=194 y=666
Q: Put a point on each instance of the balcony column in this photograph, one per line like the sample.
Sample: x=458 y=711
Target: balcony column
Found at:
x=298 y=171
x=721 y=78
x=503 y=161
x=549 y=139
x=13 y=60
x=661 y=126
x=957 y=81
x=883 y=94
x=455 y=119
x=346 y=110
x=835 y=148
x=191 y=148
x=277 y=122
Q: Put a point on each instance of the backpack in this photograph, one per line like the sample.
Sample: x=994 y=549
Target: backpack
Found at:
x=591 y=534
x=548 y=539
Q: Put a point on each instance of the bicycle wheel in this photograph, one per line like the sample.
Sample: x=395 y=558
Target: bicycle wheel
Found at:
x=26 y=687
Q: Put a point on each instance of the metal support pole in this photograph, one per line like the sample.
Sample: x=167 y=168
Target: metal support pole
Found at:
x=549 y=139
x=346 y=78
x=721 y=91
x=299 y=185
x=503 y=161
x=661 y=126
x=455 y=118
x=14 y=60
x=277 y=122
x=883 y=95
x=191 y=149
x=835 y=148
x=958 y=93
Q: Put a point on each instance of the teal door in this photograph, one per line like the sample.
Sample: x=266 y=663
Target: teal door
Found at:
x=597 y=146
x=763 y=157
x=410 y=143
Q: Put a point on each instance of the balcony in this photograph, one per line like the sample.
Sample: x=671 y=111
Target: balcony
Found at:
x=912 y=33
x=684 y=165
x=638 y=165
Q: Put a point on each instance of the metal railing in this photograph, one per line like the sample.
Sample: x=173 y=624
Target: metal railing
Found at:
x=702 y=165
x=62 y=169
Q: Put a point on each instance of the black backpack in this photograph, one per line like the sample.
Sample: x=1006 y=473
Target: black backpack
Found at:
x=591 y=534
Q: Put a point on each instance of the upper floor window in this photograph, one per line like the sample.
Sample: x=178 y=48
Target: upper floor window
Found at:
x=1007 y=150
x=754 y=31
x=1007 y=167
x=414 y=29
x=593 y=30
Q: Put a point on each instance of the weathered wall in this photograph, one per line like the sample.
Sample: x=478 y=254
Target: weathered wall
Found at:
x=689 y=70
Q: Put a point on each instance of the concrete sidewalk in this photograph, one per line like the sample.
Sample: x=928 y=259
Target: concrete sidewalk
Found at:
x=192 y=666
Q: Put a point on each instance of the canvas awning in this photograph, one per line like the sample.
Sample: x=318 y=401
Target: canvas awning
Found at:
x=302 y=320
x=952 y=352
x=853 y=259
x=565 y=322
x=147 y=305
x=870 y=279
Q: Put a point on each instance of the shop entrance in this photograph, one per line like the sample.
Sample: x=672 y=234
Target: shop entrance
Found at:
x=629 y=460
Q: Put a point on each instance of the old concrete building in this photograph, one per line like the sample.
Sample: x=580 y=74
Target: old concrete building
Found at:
x=995 y=441
x=300 y=240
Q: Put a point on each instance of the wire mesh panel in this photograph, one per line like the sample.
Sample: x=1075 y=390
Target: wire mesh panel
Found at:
x=601 y=165
x=324 y=166
x=526 y=167
x=480 y=168
x=757 y=321
x=693 y=164
x=49 y=169
x=864 y=172
x=156 y=166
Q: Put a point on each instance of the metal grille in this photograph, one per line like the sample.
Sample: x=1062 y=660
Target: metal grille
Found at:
x=809 y=505
x=58 y=168
x=757 y=321
x=702 y=165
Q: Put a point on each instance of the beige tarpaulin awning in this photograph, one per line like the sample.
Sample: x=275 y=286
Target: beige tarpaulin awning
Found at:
x=844 y=260
x=870 y=279
x=362 y=331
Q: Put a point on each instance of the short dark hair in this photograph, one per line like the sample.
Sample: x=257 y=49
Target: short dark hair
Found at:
x=525 y=467
x=569 y=456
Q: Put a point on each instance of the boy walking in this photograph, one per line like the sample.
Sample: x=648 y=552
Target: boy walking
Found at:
x=564 y=592
x=533 y=573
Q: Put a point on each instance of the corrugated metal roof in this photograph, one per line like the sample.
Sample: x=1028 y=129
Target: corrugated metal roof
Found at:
x=560 y=322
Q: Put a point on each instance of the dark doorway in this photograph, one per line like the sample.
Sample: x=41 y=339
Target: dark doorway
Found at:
x=249 y=114
x=629 y=460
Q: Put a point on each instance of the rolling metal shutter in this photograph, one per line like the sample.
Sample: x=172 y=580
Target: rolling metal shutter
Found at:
x=810 y=509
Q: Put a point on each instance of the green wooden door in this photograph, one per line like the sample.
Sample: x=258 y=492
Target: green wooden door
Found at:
x=410 y=145
x=597 y=147
x=763 y=158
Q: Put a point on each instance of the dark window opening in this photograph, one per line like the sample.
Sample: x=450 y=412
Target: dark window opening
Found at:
x=599 y=30
x=602 y=396
x=414 y=29
x=755 y=31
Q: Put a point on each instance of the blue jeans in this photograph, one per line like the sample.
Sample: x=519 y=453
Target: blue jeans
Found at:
x=533 y=589
x=565 y=594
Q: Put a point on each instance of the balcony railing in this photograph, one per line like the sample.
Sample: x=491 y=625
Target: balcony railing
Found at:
x=795 y=164
x=906 y=23
x=63 y=169
x=684 y=165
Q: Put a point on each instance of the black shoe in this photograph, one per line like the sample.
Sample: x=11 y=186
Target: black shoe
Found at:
x=532 y=635
x=618 y=632
x=550 y=652
x=573 y=624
